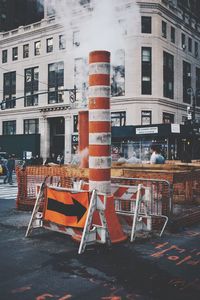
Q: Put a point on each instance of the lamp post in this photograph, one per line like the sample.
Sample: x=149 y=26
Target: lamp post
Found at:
x=191 y=115
x=194 y=94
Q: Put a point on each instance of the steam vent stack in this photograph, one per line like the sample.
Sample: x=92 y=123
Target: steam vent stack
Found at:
x=99 y=122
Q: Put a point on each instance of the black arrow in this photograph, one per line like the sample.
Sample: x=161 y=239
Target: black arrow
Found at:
x=71 y=210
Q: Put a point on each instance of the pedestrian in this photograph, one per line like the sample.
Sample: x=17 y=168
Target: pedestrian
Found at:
x=58 y=159
x=38 y=160
x=62 y=159
x=121 y=159
x=156 y=156
x=133 y=159
x=10 y=167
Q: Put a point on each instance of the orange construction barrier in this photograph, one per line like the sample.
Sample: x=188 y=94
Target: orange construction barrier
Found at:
x=83 y=128
x=114 y=227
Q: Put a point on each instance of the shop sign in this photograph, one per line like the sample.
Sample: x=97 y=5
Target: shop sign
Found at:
x=74 y=138
x=175 y=128
x=146 y=130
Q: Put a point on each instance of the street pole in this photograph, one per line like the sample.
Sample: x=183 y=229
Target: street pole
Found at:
x=194 y=107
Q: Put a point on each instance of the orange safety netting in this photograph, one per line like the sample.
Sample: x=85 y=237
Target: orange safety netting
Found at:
x=30 y=177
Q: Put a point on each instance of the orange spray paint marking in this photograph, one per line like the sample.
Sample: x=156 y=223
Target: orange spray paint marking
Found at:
x=173 y=258
x=193 y=262
x=111 y=298
x=65 y=297
x=193 y=233
x=44 y=296
x=184 y=260
x=21 y=289
x=161 y=245
x=160 y=253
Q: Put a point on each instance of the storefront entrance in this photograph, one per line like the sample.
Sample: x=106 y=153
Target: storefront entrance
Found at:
x=57 y=135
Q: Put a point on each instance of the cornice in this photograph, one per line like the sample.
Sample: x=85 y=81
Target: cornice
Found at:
x=29 y=33
x=136 y=100
x=170 y=14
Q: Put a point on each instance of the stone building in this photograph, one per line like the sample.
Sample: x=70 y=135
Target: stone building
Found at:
x=155 y=50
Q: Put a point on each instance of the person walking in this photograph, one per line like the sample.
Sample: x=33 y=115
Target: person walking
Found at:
x=10 y=167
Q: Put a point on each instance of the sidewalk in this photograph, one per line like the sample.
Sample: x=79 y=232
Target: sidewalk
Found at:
x=14 y=180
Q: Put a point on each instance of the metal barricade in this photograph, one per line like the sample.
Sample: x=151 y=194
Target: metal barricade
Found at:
x=155 y=204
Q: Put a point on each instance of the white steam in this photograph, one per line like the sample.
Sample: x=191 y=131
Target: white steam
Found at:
x=102 y=30
x=100 y=24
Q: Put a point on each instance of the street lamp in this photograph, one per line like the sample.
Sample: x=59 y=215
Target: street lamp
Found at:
x=191 y=115
x=194 y=95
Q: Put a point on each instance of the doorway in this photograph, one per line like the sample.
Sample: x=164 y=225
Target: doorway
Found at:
x=57 y=135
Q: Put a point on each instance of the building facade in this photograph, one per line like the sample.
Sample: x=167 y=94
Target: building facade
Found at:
x=155 y=75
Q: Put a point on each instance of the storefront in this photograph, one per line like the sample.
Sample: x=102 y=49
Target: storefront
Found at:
x=175 y=141
x=21 y=144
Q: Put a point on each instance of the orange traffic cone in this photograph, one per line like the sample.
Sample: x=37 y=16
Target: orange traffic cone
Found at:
x=114 y=227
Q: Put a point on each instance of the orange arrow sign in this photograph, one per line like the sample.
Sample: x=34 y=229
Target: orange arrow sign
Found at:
x=66 y=208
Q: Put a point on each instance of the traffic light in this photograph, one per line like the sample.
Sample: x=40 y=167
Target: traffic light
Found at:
x=72 y=95
x=189 y=113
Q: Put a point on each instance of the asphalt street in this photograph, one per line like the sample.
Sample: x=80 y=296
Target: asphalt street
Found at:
x=47 y=265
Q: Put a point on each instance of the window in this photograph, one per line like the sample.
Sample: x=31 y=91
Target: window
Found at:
x=173 y=37
x=146 y=71
x=4 y=56
x=49 y=45
x=9 y=89
x=168 y=118
x=15 y=53
x=75 y=123
x=37 y=48
x=55 y=82
x=31 y=86
x=26 y=51
x=76 y=38
x=9 y=127
x=186 y=81
x=146 y=117
x=62 y=42
x=189 y=44
x=146 y=24
x=183 y=41
x=31 y=126
x=168 y=75
x=164 y=29
x=196 y=49
x=198 y=86
x=118 y=118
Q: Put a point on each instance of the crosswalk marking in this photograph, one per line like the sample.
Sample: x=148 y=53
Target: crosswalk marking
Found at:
x=8 y=191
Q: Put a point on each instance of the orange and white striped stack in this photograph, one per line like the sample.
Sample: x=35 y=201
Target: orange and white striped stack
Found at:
x=99 y=122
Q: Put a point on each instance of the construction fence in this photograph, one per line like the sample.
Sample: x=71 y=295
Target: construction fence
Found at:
x=154 y=210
